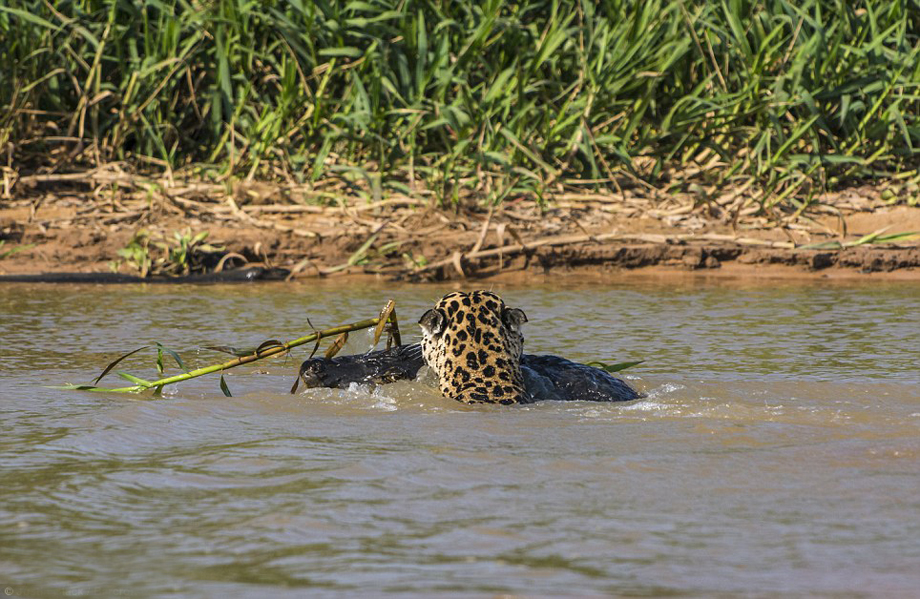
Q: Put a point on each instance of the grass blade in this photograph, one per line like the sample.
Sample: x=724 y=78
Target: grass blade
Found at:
x=337 y=345
x=224 y=388
x=133 y=379
x=614 y=367
x=175 y=356
x=115 y=363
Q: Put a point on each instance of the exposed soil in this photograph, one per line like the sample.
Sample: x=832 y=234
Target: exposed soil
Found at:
x=79 y=224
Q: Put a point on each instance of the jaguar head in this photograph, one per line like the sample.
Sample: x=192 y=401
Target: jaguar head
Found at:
x=473 y=343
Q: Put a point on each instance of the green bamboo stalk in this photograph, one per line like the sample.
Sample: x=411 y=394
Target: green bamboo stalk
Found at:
x=266 y=353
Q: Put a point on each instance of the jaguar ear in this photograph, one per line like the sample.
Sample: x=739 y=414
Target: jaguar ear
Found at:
x=514 y=318
x=432 y=322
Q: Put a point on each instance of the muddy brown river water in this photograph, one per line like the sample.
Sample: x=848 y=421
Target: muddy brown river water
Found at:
x=777 y=451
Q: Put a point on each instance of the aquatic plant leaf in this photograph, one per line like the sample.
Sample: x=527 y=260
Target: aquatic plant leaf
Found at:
x=175 y=356
x=318 y=339
x=337 y=345
x=614 y=367
x=384 y=317
x=115 y=363
x=133 y=379
x=394 y=337
x=268 y=344
x=73 y=387
x=224 y=387
x=233 y=351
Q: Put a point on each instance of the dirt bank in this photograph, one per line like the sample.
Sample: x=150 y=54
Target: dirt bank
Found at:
x=78 y=225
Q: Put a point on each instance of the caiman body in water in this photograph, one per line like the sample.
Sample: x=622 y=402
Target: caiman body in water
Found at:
x=545 y=377
x=474 y=344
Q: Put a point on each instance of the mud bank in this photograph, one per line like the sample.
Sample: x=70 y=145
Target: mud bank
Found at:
x=73 y=229
x=700 y=259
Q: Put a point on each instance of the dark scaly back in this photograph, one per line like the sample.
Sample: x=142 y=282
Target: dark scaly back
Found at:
x=473 y=342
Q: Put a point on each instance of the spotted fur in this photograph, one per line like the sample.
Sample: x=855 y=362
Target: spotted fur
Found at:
x=473 y=342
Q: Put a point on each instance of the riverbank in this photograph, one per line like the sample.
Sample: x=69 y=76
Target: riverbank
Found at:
x=79 y=223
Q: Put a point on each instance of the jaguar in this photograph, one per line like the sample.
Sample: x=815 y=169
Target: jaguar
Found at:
x=474 y=344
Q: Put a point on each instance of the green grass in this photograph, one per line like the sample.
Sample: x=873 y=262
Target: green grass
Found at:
x=6 y=253
x=471 y=97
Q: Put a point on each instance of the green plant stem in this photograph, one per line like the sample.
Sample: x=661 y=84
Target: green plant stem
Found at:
x=266 y=353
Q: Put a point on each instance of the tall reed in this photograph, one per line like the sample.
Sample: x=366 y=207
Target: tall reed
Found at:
x=500 y=96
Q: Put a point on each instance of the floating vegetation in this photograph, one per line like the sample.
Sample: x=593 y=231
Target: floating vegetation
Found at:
x=386 y=322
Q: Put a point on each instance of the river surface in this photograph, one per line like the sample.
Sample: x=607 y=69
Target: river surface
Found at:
x=777 y=450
